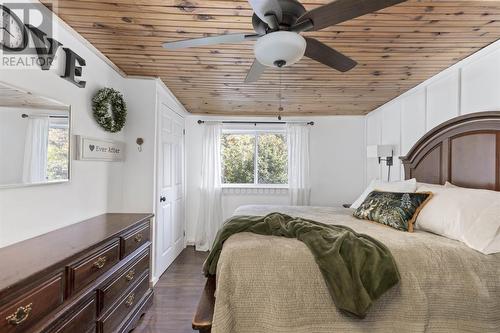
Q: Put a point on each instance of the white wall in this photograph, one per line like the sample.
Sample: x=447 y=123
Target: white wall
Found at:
x=30 y=211
x=138 y=172
x=472 y=85
x=143 y=95
x=337 y=167
x=95 y=187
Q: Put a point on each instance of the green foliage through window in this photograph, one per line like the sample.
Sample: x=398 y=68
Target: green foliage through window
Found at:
x=57 y=153
x=239 y=160
x=238 y=164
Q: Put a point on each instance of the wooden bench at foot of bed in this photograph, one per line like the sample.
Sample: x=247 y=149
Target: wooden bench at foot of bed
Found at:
x=202 y=320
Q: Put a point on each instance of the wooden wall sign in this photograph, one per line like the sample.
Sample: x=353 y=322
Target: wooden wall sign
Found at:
x=91 y=149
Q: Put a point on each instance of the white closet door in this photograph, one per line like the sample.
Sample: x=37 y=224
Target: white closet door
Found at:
x=170 y=218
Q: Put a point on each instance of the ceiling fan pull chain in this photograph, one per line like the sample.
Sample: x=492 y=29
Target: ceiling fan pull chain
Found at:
x=280 y=90
x=280 y=108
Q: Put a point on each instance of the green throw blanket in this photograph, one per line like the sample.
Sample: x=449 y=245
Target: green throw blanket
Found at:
x=357 y=268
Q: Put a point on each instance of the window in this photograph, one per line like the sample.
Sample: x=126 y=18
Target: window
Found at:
x=57 y=150
x=258 y=158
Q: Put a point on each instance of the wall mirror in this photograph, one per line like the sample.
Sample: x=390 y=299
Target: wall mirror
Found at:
x=34 y=139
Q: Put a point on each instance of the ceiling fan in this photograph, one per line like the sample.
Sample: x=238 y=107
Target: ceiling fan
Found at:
x=278 y=24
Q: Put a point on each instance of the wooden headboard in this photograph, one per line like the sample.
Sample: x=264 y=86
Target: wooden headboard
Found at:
x=464 y=151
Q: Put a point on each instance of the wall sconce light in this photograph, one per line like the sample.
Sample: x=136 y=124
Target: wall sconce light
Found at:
x=384 y=153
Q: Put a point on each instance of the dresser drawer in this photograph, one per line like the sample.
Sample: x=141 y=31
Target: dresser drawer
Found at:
x=82 y=321
x=112 y=320
x=133 y=240
x=32 y=306
x=133 y=320
x=83 y=272
x=112 y=291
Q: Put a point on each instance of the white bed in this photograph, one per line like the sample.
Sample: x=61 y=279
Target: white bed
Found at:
x=272 y=284
x=267 y=284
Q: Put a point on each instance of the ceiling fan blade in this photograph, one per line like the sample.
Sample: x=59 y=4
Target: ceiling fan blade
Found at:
x=255 y=72
x=328 y=56
x=222 y=39
x=339 y=11
x=268 y=11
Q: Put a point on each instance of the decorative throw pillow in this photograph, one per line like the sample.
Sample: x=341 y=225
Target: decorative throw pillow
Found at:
x=396 y=210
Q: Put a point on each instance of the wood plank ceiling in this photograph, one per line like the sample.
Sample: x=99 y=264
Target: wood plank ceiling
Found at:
x=396 y=49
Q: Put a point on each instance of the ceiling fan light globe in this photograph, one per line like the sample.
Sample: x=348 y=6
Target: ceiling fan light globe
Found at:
x=279 y=46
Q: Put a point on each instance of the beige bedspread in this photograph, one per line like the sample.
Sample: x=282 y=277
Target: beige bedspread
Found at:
x=272 y=284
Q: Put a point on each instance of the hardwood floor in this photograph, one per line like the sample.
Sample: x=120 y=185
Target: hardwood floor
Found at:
x=176 y=295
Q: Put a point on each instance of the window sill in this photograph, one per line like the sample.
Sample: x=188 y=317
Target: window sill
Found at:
x=255 y=189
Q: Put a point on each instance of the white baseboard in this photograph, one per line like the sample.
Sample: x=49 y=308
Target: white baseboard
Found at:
x=154 y=281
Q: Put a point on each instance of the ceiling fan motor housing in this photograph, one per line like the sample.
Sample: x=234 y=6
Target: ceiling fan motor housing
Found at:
x=291 y=11
x=280 y=49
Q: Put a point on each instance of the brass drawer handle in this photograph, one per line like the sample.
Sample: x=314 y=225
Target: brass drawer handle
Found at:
x=100 y=262
x=130 y=300
x=130 y=275
x=138 y=237
x=22 y=313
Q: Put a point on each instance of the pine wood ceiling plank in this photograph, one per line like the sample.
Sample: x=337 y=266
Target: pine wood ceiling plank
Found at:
x=396 y=49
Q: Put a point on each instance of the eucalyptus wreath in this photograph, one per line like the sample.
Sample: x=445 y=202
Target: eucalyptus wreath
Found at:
x=110 y=110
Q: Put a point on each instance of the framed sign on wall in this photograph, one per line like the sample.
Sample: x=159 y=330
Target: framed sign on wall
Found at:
x=91 y=149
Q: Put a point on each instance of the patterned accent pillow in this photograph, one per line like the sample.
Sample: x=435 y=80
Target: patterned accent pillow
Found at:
x=396 y=210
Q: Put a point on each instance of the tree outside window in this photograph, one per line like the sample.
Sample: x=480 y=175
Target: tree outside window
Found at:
x=254 y=158
x=57 y=151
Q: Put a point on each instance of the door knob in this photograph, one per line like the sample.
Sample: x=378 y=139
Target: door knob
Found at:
x=163 y=199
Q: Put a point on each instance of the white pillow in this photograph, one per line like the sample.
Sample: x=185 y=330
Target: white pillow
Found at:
x=450 y=185
x=404 y=186
x=428 y=186
x=438 y=186
x=467 y=215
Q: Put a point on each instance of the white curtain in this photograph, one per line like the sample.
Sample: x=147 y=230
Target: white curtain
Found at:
x=210 y=212
x=298 y=164
x=35 y=150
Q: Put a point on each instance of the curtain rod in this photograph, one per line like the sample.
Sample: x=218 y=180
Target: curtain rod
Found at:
x=262 y=122
x=24 y=115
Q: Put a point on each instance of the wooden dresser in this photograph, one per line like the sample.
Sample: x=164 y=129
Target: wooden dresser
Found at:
x=93 y=276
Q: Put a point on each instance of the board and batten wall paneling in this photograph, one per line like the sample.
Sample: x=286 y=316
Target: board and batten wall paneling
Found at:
x=442 y=99
x=481 y=84
x=373 y=137
x=471 y=85
x=412 y=119
x=391 y=132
